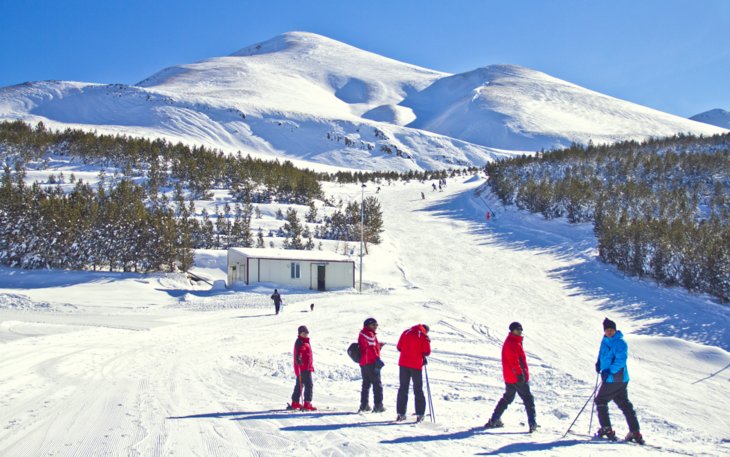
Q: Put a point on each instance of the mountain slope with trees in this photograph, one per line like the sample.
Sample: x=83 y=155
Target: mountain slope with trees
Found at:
x=660 y=208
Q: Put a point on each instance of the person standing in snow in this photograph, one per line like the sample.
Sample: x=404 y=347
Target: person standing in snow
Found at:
x=370 y=365
x=414 y=345
x=516 y=378
x=303 y=369
x=277 y=300
x=611 y=364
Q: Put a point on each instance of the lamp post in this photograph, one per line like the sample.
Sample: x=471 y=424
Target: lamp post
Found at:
x=362 y=227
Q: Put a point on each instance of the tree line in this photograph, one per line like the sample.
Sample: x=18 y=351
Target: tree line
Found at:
x=660 y=208
x=128 y=223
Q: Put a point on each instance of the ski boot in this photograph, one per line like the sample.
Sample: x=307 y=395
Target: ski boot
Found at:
x=494 y=423
x=364 y=409
x=295 y=406
x=379 y=409
x=636 y=437
x=308 y=407
x=400 y=418
x=419 y=418
x=606 y=432
x=533 y=427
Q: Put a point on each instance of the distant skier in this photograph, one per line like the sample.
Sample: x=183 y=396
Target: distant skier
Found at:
x=277 y=300
x=414 y=345
x=370 y=365
x=423 y=196
x=611 y=364
x=303 y=368
x=489 y=215
x=516 y=377
x=433 y=184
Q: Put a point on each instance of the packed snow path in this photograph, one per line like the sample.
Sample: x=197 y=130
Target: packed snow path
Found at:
x=105 y=364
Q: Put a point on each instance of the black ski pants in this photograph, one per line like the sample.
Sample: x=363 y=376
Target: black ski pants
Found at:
x=277 y=306
x=303 y=380
x=619 y=393
x=406 y=375
x=371 y=377
x=522 y=389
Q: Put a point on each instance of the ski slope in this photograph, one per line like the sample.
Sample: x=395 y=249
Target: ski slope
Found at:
x=98 y=363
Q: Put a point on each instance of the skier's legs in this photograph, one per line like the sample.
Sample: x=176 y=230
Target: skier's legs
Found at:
x=405 y=381
x=605 y=394
x=507 y=398
x=308 y=385
x=624 y=404
x=523 y=390
x=417 y=376
x=377 y=387
x=366 y=382
x=296 y=396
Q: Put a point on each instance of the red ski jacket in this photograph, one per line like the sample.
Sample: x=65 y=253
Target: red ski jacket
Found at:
x=413 y=345
x=369 y=346
x=514 y=362
x=303 y=359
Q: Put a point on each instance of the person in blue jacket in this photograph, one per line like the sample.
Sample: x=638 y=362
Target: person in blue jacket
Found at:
x=611 y=365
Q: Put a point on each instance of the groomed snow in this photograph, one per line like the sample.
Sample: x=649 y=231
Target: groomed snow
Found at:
x=126 y=364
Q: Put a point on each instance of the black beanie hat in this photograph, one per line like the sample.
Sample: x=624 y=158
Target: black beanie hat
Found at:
x=515 y=326
x=608 y=323
x=368 y=321
x=425 y=327
x=302 y=328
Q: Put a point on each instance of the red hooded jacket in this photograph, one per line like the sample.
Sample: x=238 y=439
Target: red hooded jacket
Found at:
x=514 y=362
x=369 y=346
x=413 y=345
x=303 y=358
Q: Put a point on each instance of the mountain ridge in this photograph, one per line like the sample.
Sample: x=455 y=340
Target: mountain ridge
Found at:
x=305 y=96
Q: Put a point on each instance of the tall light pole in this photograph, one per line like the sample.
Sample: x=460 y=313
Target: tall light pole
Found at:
x=362 y=227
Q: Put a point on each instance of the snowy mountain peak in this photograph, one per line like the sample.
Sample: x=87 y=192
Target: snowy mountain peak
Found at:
x=304 y=96
x=293 y=41
x=718 y=117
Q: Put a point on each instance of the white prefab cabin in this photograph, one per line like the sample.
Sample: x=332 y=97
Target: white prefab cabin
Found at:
x=318 y=270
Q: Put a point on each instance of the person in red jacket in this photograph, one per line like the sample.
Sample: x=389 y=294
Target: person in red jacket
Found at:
x=303 y=368
x=370 y=365
x=414 y=345
x=516 y=377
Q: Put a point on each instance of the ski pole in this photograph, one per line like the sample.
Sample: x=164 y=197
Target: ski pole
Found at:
x=580 y=412
x=593 y=406
x=430 y=400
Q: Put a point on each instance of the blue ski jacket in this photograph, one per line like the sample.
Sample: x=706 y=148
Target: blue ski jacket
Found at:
x=612 y=358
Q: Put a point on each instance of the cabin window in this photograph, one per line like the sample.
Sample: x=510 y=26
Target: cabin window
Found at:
x=295 y=270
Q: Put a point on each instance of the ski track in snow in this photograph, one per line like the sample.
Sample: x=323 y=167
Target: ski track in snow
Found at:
x=208 y=372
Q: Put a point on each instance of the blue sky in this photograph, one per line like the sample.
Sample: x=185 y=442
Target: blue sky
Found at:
x=672 y=55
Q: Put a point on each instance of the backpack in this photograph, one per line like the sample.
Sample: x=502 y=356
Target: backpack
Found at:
x=354 y=352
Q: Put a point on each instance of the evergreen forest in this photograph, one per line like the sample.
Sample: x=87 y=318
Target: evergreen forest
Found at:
x=660 y=209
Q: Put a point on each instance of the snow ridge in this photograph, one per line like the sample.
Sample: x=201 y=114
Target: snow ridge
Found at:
x=308 y=97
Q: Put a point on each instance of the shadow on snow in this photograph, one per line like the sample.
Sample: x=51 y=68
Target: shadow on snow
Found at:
x=665 y=311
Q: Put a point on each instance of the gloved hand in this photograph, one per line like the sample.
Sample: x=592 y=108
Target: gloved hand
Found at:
x=521 y=378
x=299 y=360
x=598 y=366
x=379 y=364
x=604 y=374
x=425 y=361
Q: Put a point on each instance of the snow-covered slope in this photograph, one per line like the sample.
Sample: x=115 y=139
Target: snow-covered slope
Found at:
x=99 y=363
x=512 y=107
x=717 y=117
x=304 y=96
